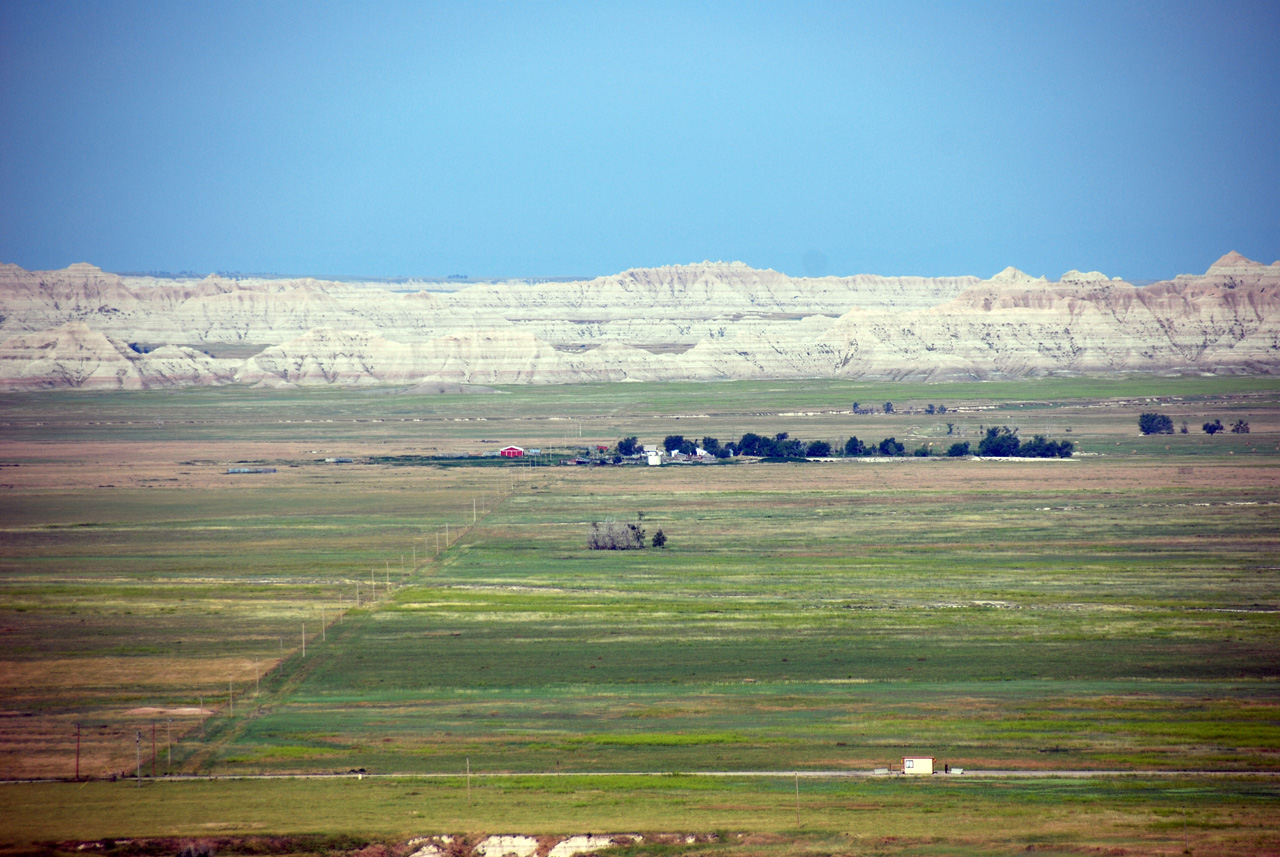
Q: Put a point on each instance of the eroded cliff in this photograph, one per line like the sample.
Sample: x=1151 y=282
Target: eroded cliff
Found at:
x=82 y=327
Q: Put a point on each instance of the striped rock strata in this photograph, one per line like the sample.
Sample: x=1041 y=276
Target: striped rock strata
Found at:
x=698 y=322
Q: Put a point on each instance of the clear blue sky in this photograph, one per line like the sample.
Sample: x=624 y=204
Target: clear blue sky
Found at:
x=543 y=138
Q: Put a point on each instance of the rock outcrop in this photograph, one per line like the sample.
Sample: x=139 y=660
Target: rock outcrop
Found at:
x=74 y=355
x=84 y=328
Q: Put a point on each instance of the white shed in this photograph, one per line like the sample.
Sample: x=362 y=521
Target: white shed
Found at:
x=917 y=765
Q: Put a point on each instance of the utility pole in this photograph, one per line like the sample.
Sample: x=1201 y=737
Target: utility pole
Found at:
x=473 y=510
x=304 y=639
x=797 y=798
x=468 y=781
x=139 y=745
x=153 y=749
x=231 y=698
x=77 y=752
x=202 y=717
x=257 y=680
x=323 y=635
x=168 y=739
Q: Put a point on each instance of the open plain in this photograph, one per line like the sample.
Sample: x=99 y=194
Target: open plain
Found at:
x=1113 y=612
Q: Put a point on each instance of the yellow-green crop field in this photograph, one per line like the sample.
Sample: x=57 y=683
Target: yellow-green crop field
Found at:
x=1115 y=612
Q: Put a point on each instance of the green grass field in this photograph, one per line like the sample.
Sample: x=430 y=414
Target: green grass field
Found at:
x=728 y=817
x=1113 y=612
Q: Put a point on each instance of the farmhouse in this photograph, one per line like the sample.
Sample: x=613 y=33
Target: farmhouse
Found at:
x=511 y=452
x=917 y=765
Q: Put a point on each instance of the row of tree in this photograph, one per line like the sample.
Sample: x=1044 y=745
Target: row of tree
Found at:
x=859 y=408
x=1004 y=442
x=997 y=442
x=1153 y=423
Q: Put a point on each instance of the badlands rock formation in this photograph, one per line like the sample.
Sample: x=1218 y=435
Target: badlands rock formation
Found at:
x=81 y=327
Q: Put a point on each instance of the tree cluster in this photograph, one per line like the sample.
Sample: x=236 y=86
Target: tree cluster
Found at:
x=1003 y=442
x=1151 y=423
x=676 y=443
x=890 y=446
x=1238 y=427
x=617 y=536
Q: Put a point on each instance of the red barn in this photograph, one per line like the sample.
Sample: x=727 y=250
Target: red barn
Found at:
x=511 y=452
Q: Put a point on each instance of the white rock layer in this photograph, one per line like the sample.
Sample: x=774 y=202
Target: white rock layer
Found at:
x=697 y=322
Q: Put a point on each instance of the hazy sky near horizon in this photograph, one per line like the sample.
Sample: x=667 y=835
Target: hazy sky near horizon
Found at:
x=544 y=138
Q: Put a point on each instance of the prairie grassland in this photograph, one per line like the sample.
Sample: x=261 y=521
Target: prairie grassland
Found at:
x=824 y=617
x=727 y=816
x=161 y=591
x=342 y=421
x=1114 y=611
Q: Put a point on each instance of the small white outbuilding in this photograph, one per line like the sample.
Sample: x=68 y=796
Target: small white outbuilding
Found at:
x=917 y=765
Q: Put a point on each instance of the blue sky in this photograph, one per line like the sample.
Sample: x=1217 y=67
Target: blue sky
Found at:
x=543 y=139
